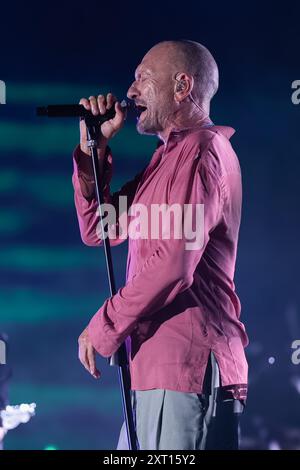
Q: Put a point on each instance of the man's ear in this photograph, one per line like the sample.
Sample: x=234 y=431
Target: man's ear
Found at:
x=183 y=87
x=180 y=85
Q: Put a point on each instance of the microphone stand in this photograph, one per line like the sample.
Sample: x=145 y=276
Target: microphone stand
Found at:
x=119 y=358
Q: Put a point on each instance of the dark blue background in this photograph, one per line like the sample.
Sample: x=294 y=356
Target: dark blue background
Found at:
x=51 y=284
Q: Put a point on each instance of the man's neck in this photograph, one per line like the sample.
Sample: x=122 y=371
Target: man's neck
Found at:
x=183 y=125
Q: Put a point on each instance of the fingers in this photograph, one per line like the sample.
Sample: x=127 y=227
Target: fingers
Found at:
x=82 y=354
x=110 y=99
x=87 y=359
x=85 y=103
x=86 y=354
x=94 y=105
x=120 y=116
x=99 y=104
x=105 y=103
x=92 y=363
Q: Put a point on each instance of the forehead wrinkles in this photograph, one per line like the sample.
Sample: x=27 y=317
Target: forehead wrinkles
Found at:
x=160 y=61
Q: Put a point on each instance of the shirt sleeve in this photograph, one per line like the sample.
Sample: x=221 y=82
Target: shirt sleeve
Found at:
x=170 y=268
x=85 y=199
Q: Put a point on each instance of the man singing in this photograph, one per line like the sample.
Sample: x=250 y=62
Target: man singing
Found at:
x=178 y=309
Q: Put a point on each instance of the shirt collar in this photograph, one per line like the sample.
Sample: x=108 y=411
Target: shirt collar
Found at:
x=227 y=131
x=177 y=135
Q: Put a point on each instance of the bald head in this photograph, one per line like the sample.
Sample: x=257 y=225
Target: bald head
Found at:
x=173 y=86
x=192 y=58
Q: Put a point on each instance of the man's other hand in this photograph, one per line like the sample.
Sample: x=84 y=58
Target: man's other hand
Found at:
x=87 y=353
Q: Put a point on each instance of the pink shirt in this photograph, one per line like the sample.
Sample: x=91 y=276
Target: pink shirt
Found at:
x=177 y=304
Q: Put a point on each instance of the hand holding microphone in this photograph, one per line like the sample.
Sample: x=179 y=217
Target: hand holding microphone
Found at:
x=109 y=128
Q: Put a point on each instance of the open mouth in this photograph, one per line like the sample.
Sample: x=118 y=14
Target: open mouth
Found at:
x=140 y=110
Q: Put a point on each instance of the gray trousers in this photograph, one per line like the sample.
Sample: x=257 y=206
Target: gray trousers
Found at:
x=170 y=420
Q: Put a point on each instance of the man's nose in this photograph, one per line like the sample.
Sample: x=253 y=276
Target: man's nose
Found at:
x=132 y=92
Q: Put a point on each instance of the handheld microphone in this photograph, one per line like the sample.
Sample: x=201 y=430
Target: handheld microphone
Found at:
x=78 y=110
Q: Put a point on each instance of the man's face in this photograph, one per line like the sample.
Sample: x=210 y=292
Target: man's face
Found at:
x=153 y=89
